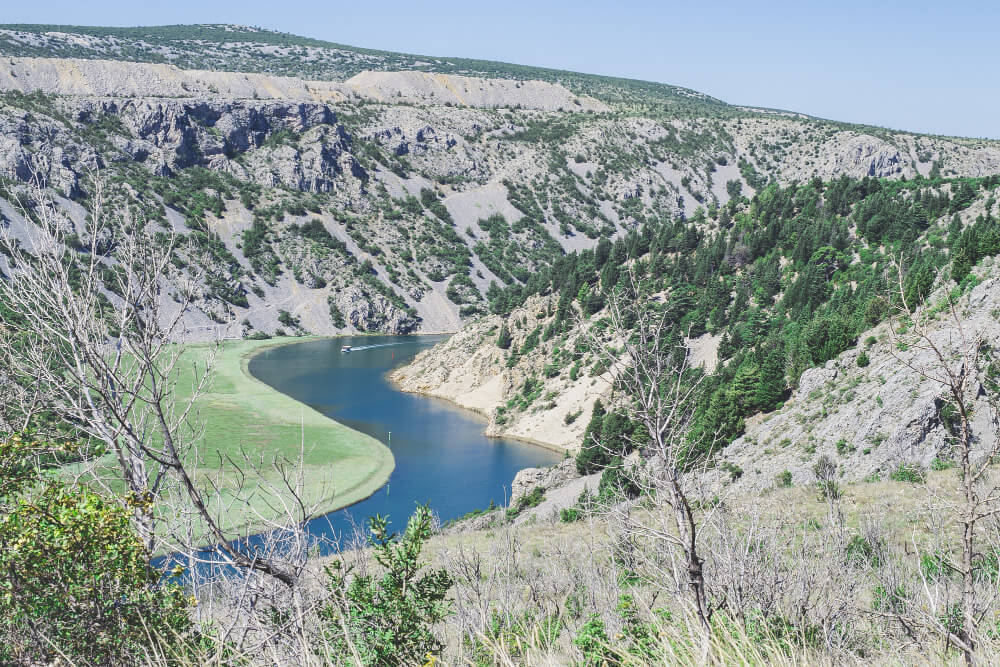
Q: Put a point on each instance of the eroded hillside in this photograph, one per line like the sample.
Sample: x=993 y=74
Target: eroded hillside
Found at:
x=346 y=197
x=790 y=323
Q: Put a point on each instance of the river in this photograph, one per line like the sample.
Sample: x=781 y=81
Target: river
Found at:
x=442 y=456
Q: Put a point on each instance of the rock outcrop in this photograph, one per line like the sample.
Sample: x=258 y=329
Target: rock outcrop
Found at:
x=871 y=419
x=310 y=150
x=453 y=90
x=529 y=479
x=469 y=369
x=109 y=78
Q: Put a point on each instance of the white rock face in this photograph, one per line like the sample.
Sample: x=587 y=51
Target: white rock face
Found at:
x=105 y=78
x=882 y=415
x=426 y=88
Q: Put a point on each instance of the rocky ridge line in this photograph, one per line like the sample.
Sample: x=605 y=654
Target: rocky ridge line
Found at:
x=111 y=78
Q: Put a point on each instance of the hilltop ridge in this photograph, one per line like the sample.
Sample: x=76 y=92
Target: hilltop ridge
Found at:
x=247 y=49
x=110 y=78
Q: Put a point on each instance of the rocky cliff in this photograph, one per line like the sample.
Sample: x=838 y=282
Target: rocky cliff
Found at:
x=109 y=78
x=539 y=397
x=871 y=418
x=428 y=186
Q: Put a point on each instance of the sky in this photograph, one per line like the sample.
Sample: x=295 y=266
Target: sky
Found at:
x=917 y=66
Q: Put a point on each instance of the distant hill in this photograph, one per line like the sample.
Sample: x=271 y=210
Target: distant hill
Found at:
x=249 y=49
x=324 y=188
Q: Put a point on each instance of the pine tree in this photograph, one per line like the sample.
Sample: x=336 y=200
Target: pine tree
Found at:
x=590 y=447
x=503 y=339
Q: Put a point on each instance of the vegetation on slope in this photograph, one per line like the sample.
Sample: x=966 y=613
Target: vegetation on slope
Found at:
x=787 y=279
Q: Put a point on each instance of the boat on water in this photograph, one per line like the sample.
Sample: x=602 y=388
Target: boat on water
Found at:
x=346 y=348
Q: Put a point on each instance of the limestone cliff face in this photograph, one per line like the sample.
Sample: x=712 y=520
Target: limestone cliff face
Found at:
x=869 y=420
x=106 y=78
x=450 y=89
x=537 y=397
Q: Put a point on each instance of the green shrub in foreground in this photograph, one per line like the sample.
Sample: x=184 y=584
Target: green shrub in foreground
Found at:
x=386 y=619
x=76 y=582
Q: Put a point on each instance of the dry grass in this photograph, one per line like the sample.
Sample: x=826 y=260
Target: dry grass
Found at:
x=524 y=594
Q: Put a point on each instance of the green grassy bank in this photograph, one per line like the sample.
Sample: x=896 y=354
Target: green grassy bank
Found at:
x=240 y=415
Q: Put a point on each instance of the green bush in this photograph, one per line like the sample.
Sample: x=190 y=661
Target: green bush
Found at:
x=429 y=199
x=735 y=471
x=570 y=514
x=387 y=619
x=593 y=641
x=863 y=551
x=942 y=464
x=336 y=316
x=783 y=479
x=907 y=472
x=616 y=483
x=503 y=338
x=287 y=319
x=531 y=499
x=889 y=599
x=76 y=573
x=843 y=447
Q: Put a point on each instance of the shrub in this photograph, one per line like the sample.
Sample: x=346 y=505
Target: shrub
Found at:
x=783 y=479
x=934 y=566
x=388 y=619
x=336 y=316
x=735 y=472
x=616 y=483
x=908 y=473
x=592 y=640
x=570 y=514
x=503 y=338
x=888 y=600
x=861 y=550
x=287 y=319
x=942 y=464
x=863 y=360
x=843 y=447
x=826 y=484
x=76 y=573
x=531 y=499
x=430 y=200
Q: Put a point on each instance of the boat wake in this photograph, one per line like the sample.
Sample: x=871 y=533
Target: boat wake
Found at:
x=372 y=347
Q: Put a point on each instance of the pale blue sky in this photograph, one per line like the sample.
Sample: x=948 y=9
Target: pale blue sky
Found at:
x=921 y=66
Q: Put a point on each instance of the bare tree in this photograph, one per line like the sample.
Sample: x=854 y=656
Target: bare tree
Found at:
x=964 y=365
x=651 y=367
x=94 y=330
